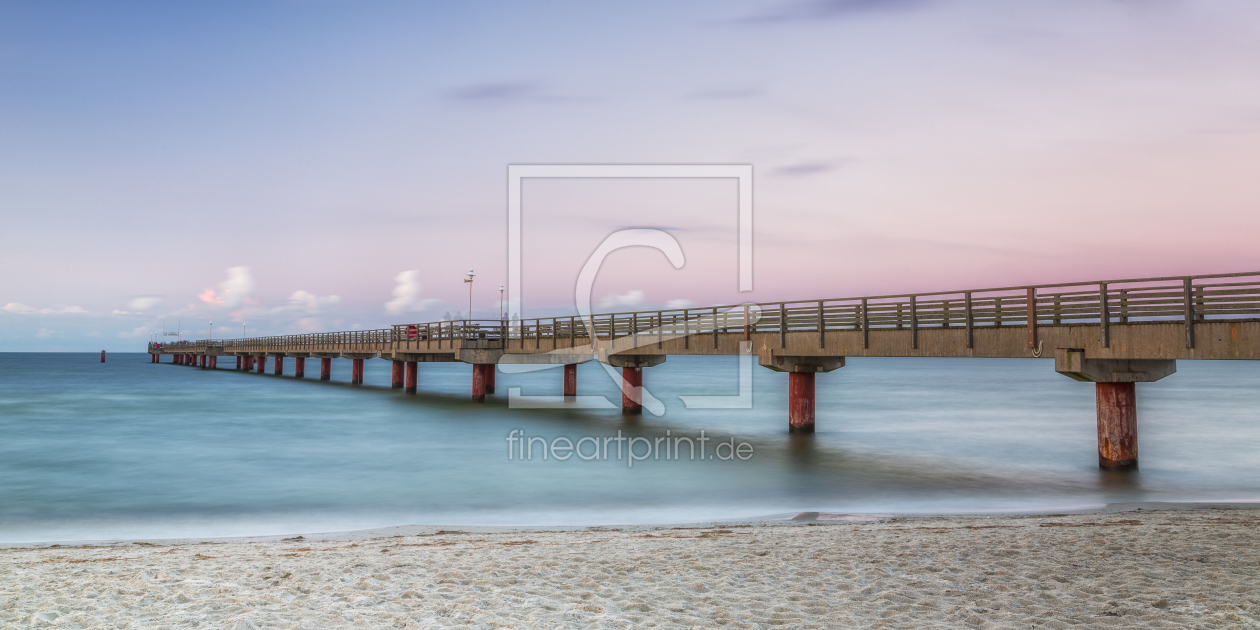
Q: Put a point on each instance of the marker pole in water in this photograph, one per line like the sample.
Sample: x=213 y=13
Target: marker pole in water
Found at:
x=102 y=356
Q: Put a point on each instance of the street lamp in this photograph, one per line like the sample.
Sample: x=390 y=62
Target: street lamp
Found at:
x=469 y=280
x=212 y=329
x=500 y=302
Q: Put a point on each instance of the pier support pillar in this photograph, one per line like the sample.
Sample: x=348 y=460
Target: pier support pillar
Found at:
x=491 y=369
x=204 y=360
x=396 y=375
x=279 y=366
x=632 y=379
x=214 y=363
x=411 y=377
x=238 y=362
x=102 y=356
x=479 y=382
x=631 y=391
x=325 y=369
x=299 y=367
x=261 y=365
x=1115 y=393
x=570 y=382
x=1117 y=425
x=801 y=402
x=356 y=372
x=801 y=371
x=249 y=363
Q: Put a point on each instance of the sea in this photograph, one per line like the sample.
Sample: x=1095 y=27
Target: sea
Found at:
x=128 y=449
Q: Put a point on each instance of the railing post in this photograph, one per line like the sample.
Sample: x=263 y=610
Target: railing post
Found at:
x=659 y=324
x=866 y=325
x=747 y=329
x=686 y=329
x=822 y=338
x=1032 y=318
x=1124 y=306
x=967 y=301
x=1104 y=315
x=914 y=323
x=715 y=328
x=783 y=324
x=572 y=332
x=1189 y=315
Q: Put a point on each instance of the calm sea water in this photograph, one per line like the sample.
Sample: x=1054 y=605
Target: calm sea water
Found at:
x=128 y=449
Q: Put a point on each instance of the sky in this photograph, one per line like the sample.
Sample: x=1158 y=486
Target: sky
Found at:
x=278 y=167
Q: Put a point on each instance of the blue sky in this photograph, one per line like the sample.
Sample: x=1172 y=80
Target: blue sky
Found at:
x=333 y=165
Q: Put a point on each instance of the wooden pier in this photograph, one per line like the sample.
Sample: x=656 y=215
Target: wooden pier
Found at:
x=1113 y=333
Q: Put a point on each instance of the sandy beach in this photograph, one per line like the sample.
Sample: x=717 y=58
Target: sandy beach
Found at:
x=1136 y=569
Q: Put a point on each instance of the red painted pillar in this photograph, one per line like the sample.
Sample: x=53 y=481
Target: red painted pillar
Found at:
x=249 y=363
x=102 y=356
x=238 y=362
x=325 y=369
x=631 y=391
x=800 y=402
x=396 y=375
x=299 y=367
x=490 y=369
x=1117 y=425
x=262 y=364
x=411 y=378
x=214 y=363
x=200 y=361
x=279 y=366
x=570 y=382
x=356 y=372
x=479 y=383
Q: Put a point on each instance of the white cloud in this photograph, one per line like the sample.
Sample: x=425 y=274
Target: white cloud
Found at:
x=144 y=302
x=629 y=299
x=311 y=302
x=680 y=303
x=233 y=291
x=407 y=295
x=139 y=331
x=22 y=309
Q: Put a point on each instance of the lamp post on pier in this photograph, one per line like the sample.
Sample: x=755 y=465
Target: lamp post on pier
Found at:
x=500 y=302
x=469 y=280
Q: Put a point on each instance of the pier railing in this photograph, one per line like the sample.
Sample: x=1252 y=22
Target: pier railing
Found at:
x=1186 y=299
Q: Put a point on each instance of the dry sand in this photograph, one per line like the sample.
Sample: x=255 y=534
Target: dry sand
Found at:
x=1160 y=569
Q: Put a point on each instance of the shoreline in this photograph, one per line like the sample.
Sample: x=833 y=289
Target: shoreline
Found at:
x=1120 y=566
x=785 y=519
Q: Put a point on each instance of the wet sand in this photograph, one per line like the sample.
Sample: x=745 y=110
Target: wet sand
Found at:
x=1138 y=569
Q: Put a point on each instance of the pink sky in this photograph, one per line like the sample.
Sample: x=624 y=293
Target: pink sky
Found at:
x=299 y=167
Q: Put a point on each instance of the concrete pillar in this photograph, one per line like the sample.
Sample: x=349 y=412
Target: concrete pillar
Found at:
x=631 y=391
x=801 y=402
x=299 y=367
x=396 y=375
x=411 y=377
x=356 y=372
x=491 y=369
x=249 y=363
x=325 y=369
x=102 y=356
x=1115 y=393
x=479 y=382
x=801 y=371
x=570 y=382
x=214 y=363
x=1117 y=425
x=261 y=365
x=279 y=366
x=238 y=362
x=204 y=361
